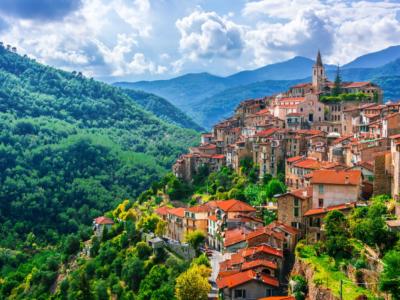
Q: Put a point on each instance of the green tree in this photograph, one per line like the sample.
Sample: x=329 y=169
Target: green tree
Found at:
x=337 y=235
x=195 y=239
x=389 y=280
x=133 y=272
x=337 y=87
x=193 y=284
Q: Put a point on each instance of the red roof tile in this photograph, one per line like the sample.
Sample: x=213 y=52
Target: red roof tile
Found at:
x=357 y=84
x=179 y=212
x=267 y=132
x=234 y=205
x=259 y=262
x=262 y=248
x=162 y=211
x=324 y=210
x=213 y=218
x=336 y=177
x=103 y=221
x=243 y=277
x=294 y=158
x=278 y=298
x=199 y=208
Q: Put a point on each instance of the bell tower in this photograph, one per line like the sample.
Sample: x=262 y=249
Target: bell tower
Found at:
x=318 y=75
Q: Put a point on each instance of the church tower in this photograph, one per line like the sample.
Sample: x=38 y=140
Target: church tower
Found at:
x=318 y=76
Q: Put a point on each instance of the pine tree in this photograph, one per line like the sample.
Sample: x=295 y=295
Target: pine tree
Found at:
x=337 y=86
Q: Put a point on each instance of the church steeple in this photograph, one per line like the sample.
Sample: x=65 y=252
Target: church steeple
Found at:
x=318 y=62
x=318 y=75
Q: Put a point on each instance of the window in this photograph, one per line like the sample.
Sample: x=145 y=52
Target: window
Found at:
x=296 y=207
x=268 y=292
x=321 y=188
x=240 y=294
x=321 y=202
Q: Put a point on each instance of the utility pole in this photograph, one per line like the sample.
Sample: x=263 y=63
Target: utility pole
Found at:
x=341 y=289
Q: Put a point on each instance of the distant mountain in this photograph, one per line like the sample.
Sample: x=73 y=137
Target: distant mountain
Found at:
x=208 y=98
x=162 y=109
x=220 y=106
x=295 y=68
x=375 y=59
x=182 y=91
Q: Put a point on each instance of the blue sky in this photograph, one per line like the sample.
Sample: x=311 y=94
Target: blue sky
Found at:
x=154 y=39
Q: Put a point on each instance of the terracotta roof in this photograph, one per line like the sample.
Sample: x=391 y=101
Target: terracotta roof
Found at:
x=303 y=194
x=292 y=99
x=336 y=177
x=294 y=158
x=259 y=262
x=234 y=205
x=162 y=211
x=208 y=146
x=357 y=84
x=278 y=298
x=396 y=136
x=309 y=131
x=281 y=226
x=213 y=218
x=103 y=221
x=218 y=156
x=199 y=208
x=261 y=248
x=234 y=236
x=263 y=111
x=324 y=210
x=264 y=230
x=179 y=212
x=243 y=277
x=308 y=163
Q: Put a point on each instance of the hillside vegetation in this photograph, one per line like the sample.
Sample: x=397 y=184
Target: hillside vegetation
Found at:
x=70 y=148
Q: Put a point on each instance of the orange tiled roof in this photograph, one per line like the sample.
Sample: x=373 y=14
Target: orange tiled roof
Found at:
x=264 y=230
x=162 y=211
x=294 y=158
x=103 y=221
x=357 y=84
x=308 y=163
x=261 y=248
x=336 y=177
x=267 y=132
x=278 y=298
x=324 y=210
x=243 y=277
x=234 y=236
x=234 y=205
x=213 y=218
x=199 y=208
x=259 y=262
x=179 y=212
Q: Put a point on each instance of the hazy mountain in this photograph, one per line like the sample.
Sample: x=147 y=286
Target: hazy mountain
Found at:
x=375 y=59
x=162 y=109
x=295 y=68
x=208 y=98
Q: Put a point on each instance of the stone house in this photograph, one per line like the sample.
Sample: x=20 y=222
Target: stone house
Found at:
x=101 y=223
x=196 y=218
x=247 y=285
x=335 y=187
x=175 y=229
x=292 y=206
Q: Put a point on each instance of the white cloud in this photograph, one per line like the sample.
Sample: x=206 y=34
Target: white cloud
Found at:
x=303 y=35
x=208 y=35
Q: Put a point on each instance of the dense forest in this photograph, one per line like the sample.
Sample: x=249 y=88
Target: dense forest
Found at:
x=71 y=148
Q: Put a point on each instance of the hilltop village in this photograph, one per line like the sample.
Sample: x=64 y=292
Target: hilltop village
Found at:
x=337 y=146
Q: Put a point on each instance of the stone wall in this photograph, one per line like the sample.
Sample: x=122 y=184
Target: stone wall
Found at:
x=314 y=292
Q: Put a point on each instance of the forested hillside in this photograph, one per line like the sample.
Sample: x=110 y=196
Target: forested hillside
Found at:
x=162 y=109
x=71 y=148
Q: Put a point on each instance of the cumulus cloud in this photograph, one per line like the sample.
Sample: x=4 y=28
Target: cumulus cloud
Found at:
x=301 y=36
x=3 y=24
x=119 y=63
x=39 y=9
x=342 y=30
x=208 y=35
